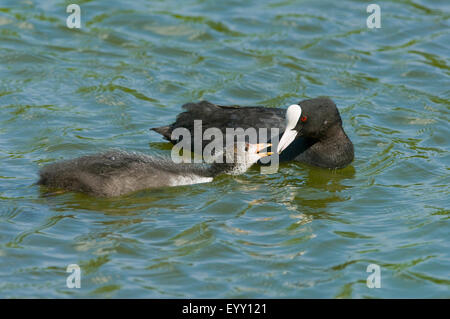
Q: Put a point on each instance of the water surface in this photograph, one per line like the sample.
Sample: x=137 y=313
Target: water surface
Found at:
x=302 y=232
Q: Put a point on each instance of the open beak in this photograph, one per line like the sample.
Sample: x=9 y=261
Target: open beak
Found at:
x=287 y=138
x=262 y=146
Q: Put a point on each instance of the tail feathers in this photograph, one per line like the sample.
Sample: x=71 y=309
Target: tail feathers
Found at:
x=208 y=112
x=165 y=131
x=42 y=180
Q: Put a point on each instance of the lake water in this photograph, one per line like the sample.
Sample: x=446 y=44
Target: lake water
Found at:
x=302 y=232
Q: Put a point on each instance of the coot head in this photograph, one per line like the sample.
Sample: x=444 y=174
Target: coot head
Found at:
x=237 y=158
x=311 y=119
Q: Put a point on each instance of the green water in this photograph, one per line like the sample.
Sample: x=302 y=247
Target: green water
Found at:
x=302 y=232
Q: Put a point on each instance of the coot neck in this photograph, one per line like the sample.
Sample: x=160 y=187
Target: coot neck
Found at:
x=334 y=133
x=333 y=150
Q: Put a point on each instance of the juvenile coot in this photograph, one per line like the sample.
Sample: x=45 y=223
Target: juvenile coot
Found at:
x=116 y=172
x=311 y=131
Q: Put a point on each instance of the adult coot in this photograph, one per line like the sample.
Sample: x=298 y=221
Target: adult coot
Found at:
x=311 y=131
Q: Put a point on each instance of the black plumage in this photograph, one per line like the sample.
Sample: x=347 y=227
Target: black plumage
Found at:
x=322 y=142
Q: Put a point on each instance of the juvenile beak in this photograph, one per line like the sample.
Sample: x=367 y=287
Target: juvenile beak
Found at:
x=262 y=146
x=287 y=138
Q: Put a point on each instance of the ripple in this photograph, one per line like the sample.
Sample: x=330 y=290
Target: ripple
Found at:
x=301 y=232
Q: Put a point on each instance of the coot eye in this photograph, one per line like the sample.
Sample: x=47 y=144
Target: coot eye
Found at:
x=303 y=118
